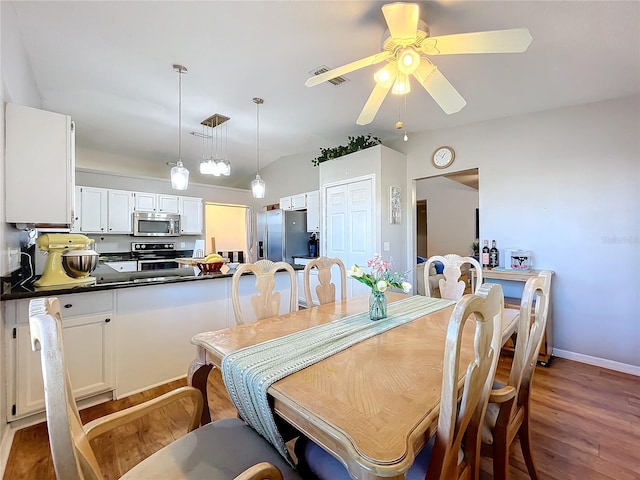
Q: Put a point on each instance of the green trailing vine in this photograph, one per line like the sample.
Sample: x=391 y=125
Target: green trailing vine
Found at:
x=355 y=144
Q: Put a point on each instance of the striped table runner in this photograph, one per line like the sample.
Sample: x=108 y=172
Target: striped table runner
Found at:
x=248 y=373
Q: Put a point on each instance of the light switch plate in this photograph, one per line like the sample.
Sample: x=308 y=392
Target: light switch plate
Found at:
x=386 y=247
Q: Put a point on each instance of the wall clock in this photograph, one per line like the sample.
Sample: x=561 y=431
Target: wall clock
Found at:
x=443 y=157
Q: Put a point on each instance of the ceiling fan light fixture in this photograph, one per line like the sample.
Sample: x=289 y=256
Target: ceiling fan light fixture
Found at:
x=408 y=60
x=402 y=86
x=386 y=75
x=179 y=173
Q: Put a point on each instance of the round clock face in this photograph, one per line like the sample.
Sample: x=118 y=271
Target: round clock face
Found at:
x=443 y=157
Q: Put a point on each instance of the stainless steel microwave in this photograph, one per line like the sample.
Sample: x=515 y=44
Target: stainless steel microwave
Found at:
x=148 y=224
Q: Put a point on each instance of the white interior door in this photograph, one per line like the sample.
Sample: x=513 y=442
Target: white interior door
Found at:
x=349 y=210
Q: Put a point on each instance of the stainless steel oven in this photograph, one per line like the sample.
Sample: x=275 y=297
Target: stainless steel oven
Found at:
x=155 y=256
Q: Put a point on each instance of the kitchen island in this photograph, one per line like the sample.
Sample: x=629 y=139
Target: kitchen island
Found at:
x=125 y=334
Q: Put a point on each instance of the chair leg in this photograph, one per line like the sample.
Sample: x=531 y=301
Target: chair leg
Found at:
x=500 y=458
x=525 y=443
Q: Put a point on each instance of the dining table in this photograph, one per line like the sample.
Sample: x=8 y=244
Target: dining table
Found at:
x=372 y=405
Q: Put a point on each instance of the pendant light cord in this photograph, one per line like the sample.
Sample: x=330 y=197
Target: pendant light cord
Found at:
x=180 y=115
x=258 y=101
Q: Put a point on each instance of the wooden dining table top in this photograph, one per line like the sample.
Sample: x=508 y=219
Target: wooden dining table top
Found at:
x=373 y=405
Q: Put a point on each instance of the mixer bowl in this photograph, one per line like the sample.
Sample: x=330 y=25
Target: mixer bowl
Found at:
x=79 y=263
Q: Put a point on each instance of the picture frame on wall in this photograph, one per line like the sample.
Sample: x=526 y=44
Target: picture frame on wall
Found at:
x=395 y=205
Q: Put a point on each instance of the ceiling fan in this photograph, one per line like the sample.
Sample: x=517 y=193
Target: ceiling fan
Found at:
x=406 y=49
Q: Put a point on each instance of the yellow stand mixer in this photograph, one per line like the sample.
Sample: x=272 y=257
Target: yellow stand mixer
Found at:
x=70 y=261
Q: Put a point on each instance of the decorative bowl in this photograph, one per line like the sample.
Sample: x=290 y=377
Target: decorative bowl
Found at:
x=209 y=267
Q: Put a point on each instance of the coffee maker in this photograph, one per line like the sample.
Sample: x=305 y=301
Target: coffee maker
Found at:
x=70 y=260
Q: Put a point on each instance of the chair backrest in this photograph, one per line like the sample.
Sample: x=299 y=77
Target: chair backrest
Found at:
x=266 y=302
x=451 y=287
x=534 y=309
x=325 y=290
x=73 y=457
x=459 y=421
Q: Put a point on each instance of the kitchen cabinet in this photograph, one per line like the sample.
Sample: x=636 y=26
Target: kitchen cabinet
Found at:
x=156 y=202
x=294 y=202
x=125 y=266
x=119 y=211
x=93 y=209
x=87 y=330
x=102 y=210
x=191 y=216
x=313 y=211
x=39 y=166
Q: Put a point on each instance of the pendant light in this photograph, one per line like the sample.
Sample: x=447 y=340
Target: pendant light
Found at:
x=179 y=174
x=258 y=186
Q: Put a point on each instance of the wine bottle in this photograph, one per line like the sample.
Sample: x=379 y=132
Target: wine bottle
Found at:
x=485 y=254
x=493 y=255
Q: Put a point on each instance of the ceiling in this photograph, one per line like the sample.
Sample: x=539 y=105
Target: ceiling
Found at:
x=109 y=66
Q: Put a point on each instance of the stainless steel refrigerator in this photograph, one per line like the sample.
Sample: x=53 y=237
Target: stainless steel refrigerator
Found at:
x=282 y=234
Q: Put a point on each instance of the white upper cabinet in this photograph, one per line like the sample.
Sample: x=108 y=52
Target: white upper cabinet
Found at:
x=156 y=202
x=119 y=211
x=299 y=202
x=93 y=210
x=313 y=211
x=191 y=216
x=39 y=166
x=169 y=204
x=285 y=203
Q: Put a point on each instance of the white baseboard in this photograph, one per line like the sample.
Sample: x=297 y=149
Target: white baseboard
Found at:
x=5 y=448
x=598 y=362
x=119 y=395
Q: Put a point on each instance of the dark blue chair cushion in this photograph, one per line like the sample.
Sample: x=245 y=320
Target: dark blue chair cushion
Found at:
x=315 y=463
x=421 y=260
x=439 y=267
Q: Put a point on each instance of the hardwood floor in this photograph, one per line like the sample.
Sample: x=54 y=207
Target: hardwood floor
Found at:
x=585 y=424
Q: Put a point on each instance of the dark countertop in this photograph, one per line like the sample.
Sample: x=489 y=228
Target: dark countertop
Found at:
x=109 y=279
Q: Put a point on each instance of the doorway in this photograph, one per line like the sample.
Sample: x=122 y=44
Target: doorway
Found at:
x=447 y=210
x=225 y=228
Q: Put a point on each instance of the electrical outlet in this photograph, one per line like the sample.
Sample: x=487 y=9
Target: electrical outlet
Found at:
x=14 y=259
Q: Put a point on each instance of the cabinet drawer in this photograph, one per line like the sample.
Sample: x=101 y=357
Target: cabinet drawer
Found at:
x=73 y=305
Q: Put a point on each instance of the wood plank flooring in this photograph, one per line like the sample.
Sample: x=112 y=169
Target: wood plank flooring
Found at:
x=585 y=426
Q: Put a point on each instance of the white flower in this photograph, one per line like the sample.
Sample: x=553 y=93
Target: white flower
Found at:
x=382 y=286
x=406 y=287
x=355 y=271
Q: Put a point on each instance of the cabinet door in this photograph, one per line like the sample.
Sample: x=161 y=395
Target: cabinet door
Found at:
x=88 y=349
x=191 y=216
x=145 y=202
x=313 y=211
x=120 y=209
x=40 y=160
x=77 y=211
x=299 y=202
x=285 y=203
x=93 y=213
x=168 y=204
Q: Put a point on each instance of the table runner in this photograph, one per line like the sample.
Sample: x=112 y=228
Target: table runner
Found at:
x=248 y=373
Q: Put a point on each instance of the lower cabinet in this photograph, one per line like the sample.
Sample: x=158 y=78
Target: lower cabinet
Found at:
x=87 y=329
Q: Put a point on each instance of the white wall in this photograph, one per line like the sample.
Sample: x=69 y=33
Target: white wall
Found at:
x=566 y=185
x=289 y=176
x=451 y=215
x=18 y=86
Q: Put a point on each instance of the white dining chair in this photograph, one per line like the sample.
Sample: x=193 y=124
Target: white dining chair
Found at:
x=451 y=287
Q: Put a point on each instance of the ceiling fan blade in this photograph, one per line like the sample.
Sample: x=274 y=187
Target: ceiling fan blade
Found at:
x=349 y=67
x=439 y=88
x=515 y=40
x=402 y=20
x=373 y=104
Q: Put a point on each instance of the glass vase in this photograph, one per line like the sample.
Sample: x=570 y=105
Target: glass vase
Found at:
x=377 y=306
